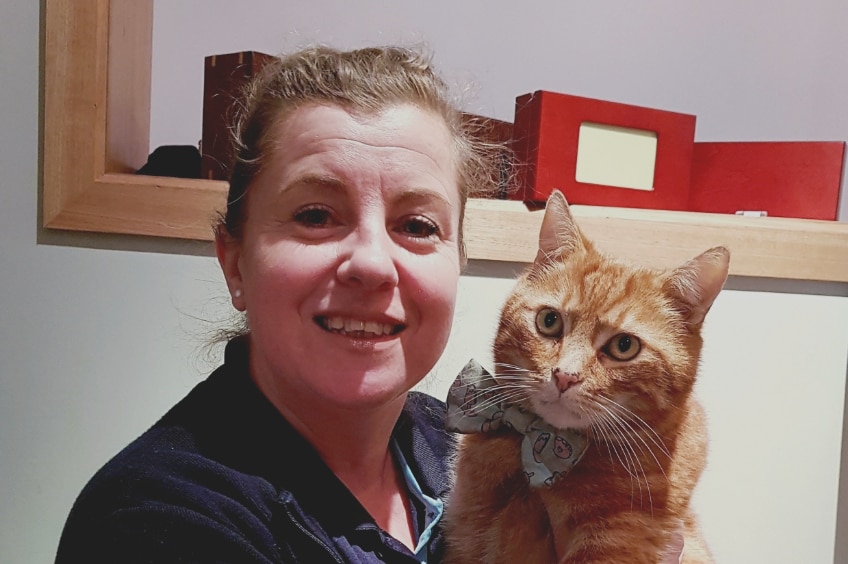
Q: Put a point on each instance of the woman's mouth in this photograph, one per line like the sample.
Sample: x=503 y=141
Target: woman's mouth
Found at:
x=358 y=328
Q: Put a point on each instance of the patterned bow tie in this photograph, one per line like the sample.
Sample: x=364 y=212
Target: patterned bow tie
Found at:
x=547 y=453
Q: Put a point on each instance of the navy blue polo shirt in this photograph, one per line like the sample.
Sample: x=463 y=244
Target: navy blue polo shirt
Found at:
x=223 y=477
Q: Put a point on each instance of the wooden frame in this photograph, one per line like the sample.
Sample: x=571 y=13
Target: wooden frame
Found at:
x=96 y=132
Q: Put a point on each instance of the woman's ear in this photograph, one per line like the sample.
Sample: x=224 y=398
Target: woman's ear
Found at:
x=228 y=249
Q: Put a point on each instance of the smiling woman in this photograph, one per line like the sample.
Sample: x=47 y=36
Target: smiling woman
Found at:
x=375 y=244
x=342 y=244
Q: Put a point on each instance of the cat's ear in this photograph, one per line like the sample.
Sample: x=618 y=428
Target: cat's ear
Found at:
x=695 y=285
x=559 y=235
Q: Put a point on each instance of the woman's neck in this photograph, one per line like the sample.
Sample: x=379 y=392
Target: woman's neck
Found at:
x=357 y=450
x=385 y=499
x=354 y=444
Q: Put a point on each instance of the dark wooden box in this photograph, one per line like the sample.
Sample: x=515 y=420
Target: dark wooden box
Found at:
x=224 y=79
x=498 y=134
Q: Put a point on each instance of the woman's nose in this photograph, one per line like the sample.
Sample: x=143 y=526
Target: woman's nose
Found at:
x=367 y=260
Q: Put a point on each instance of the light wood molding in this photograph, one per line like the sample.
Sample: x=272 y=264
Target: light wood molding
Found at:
x=96 y=131
x=760 y=246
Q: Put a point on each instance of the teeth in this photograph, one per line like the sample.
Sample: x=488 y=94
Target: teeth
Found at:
x=358 y=326
x=353 y=325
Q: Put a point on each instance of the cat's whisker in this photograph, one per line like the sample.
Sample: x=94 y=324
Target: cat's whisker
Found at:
x=636 y=424
x=652 y=435
x=512 y=377
x=604 y=431
x=632 y=432
x=487 y=399
x=648 y=449
x=503 y=386
x=625 y=435
x=594 y=429
x=602 y=435
x=504 y=398
x=638 y=471
x=512 y=367
x=513 y=371
x=613 y=438
x=627 y=462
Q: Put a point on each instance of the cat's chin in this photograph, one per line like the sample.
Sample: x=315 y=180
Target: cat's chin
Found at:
x=560 y=415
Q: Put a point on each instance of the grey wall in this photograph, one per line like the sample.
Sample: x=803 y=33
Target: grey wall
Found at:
x=100 y=334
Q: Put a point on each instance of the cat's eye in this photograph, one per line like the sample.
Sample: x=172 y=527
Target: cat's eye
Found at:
x=549 y=322
x=623 y=347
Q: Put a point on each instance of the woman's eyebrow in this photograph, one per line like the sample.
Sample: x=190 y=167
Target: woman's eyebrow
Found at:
x=319 y=181
x=412 y=196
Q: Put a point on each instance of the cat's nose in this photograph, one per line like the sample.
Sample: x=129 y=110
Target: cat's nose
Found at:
x=564 y=380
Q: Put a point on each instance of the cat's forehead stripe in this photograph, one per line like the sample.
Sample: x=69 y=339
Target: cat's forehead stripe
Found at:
x=609 y=296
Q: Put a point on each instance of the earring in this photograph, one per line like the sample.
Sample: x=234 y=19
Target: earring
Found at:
x=237 y=293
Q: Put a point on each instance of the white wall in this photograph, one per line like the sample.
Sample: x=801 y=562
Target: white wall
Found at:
x=96 y=338
x=98 y=335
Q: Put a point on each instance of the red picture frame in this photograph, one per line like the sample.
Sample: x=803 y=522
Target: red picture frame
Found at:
x=546 y=142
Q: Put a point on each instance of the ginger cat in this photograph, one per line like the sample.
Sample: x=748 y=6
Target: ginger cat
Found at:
x=609 y=351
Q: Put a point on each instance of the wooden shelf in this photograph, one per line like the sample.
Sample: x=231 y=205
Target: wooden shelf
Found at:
x=96 y=128
x=771 y=247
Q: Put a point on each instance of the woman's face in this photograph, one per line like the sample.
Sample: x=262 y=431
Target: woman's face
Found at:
x=349 y=261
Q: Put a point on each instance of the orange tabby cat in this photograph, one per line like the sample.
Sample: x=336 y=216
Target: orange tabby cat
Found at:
x=609 y=352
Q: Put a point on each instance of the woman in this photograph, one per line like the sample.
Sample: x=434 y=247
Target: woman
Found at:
x=342 y=244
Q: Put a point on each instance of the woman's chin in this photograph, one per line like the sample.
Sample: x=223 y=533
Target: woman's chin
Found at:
x=368 y=395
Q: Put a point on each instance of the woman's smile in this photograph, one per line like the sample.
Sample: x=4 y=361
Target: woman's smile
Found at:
x=358 y=328
x=353 y=231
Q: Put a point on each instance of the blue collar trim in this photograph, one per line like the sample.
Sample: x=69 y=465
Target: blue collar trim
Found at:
x=433 y=508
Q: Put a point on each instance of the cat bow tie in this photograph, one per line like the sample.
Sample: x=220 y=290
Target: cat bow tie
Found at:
x=547 y=453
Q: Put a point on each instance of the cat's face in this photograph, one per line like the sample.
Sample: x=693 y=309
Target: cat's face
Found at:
x=589 y=342
x=586 y=336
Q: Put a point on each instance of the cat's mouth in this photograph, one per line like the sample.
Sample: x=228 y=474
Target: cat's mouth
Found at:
x=560 y=412
x=358 y=328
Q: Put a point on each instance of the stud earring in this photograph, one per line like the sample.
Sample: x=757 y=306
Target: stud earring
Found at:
x=237 y=293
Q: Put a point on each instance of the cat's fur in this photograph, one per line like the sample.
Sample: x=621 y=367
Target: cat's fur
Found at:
x=626 y=498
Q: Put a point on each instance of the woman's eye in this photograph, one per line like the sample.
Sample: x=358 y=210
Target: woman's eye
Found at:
x=549 y=322
x=313 y=217
x=419 y=228
x=623 y=347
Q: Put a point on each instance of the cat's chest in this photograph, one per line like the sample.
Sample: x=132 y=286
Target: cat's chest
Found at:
x=604 y=471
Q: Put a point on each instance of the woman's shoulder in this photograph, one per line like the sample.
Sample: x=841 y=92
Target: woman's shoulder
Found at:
x=422 y=437
x=180 y=460
x=427 y=413
x=204 y=441
x=174 y=485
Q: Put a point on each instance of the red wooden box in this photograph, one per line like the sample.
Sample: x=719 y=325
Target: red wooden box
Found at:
x=224 y=78
x=783 y=179
x=547 y=143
